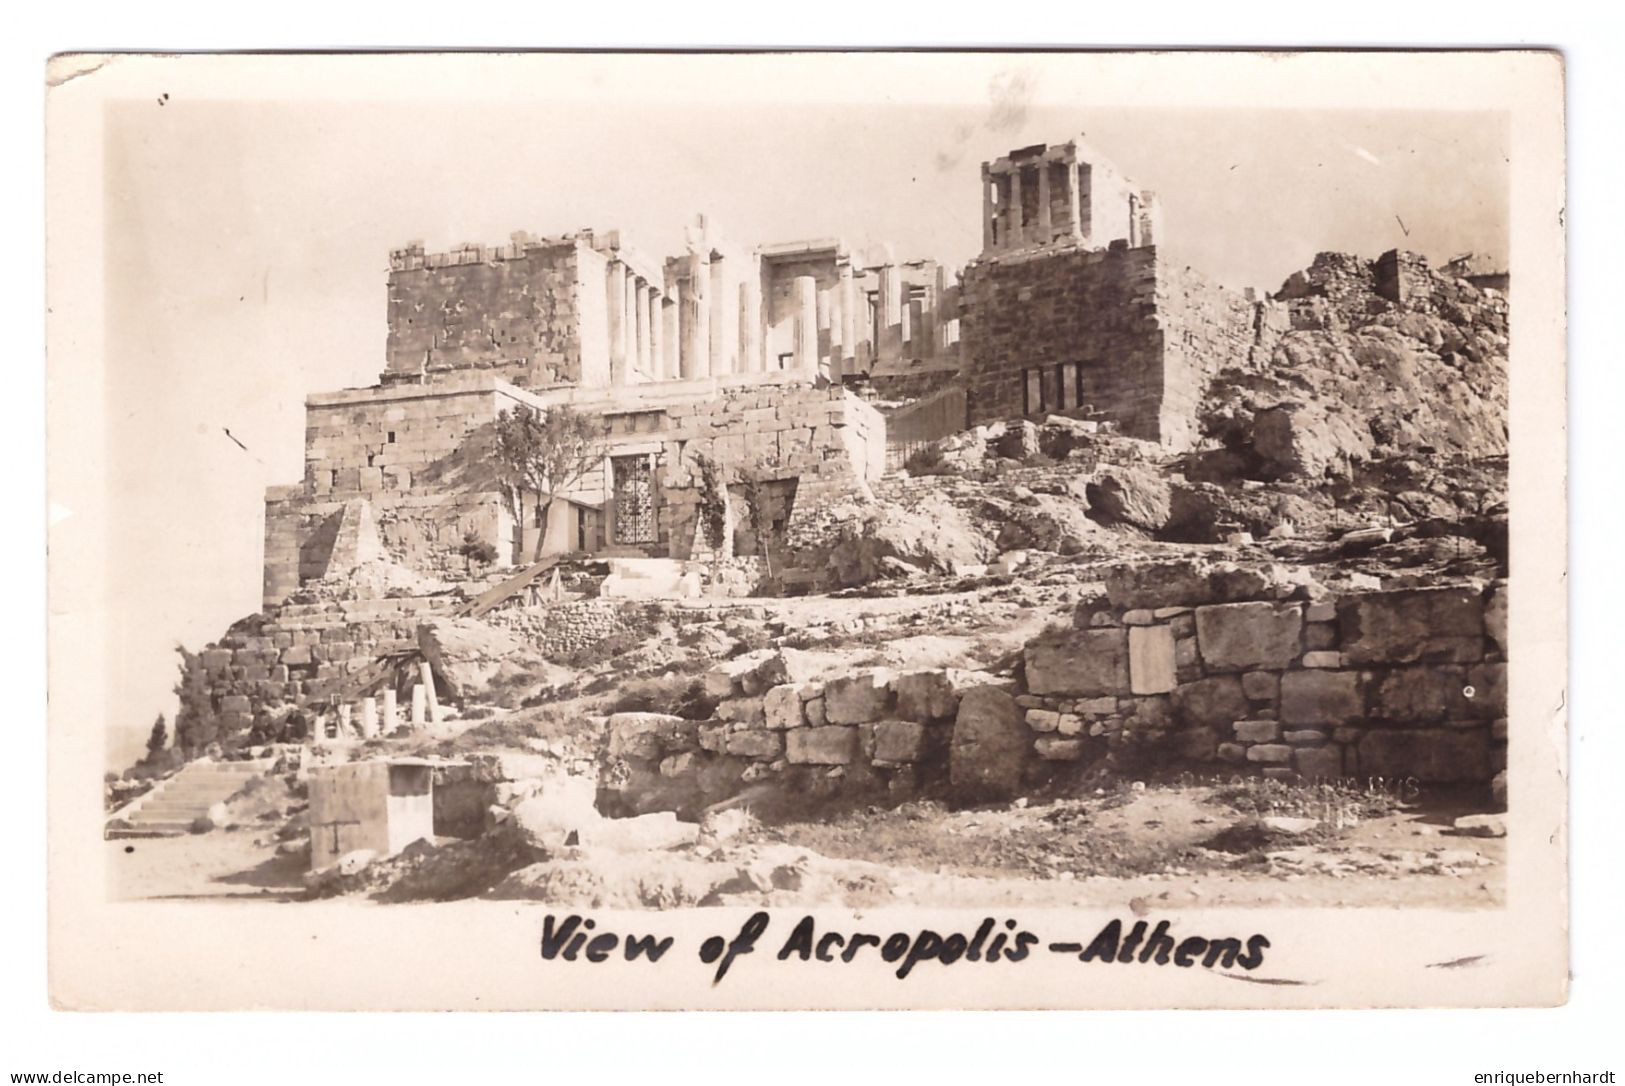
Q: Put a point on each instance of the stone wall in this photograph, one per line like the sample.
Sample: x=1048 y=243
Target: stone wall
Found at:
x=421 y=456
x=407 y=451
x=787 y=738
x=300 y=653
x=1396 y=685
x=514 y=310
x=827 y=440
x=559 y=629
x=1405 y=683
x=1145 y=338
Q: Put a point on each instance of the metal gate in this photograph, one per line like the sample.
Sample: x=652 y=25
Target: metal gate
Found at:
x=634 y=499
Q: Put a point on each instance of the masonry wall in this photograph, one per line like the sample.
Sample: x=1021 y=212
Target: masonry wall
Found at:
x=300 y=653
x=421 y=456
x=827 y=440
x=1398 y=684
x=405 y=449
x=512 y=310
x=1097 y=308
x=1147 y=337
x=1394 y=685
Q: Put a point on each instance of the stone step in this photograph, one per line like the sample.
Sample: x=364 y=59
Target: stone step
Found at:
x=117 y=833
x=173 y=805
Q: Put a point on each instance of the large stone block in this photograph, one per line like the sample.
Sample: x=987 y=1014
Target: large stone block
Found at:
x=1150 y=659
x=1421 y=694
x=1257 y=731
x=1321 y=697
x=926 y=695
x=1081 y=663
x=782 y=707
x=990 y=746
x=1434 y=755
x=748 y=711
x=858 y=699
x=832 y=744
x=1216 y=702
x=1242 y=636
x=1261 y=685
x=899 y=741
x=754 y=743
x=1419 y=624
x=647 y=736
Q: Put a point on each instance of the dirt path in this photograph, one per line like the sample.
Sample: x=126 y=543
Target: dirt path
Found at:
x=1040 y=856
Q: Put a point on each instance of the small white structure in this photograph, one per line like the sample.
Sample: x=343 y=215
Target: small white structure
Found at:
x=381 y=805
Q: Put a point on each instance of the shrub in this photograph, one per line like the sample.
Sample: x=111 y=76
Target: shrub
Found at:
x=927 y=460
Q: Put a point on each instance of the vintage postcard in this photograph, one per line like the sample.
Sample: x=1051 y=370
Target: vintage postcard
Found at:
x=916 y=530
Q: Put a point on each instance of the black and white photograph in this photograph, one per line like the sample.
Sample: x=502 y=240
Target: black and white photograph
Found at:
x=927 y=531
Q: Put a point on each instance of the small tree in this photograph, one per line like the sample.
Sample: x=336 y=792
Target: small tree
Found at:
x=476 y=551
x=543 y=455
x=196 y=722
x=158 y=738
x=754 y=480
x=713 y=504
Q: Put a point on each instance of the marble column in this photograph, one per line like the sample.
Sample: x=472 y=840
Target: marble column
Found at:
x=657 y=336
x=429 y=696
x=1043 y=203
x=849 y=318
x=721 y=312
x=925 y=327
x=1015 y=234
x=630 y=326
x=987 y=208
x=697 y=319
x=392 y=711
x=832 y=298
x=825 y=322
x=891 y=314
x=369 y=718
x=645 y=368
x=673 y=314
x=616 y=288
x=805 y=341
x=1074 y=196
x=750 y=324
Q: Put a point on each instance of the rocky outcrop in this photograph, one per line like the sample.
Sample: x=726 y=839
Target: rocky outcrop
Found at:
x=471 y=657
x=1137 y=495
x=887 y=540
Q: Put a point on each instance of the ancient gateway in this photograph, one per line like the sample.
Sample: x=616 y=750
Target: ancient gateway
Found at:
x=789 y=356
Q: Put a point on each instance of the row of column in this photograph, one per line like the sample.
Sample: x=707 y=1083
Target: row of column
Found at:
x=638 y=325
x=707 y=322
x=1004 y=224
x=718 y=321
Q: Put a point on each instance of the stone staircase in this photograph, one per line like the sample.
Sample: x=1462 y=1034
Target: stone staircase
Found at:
x=170 y=809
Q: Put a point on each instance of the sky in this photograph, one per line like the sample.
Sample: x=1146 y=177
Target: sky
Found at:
x=247 y=249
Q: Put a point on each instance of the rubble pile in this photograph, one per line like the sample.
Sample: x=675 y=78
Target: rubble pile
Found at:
x=1361 y=377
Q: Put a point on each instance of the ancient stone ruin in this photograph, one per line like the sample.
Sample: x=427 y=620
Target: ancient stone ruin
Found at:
x=859 y=530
